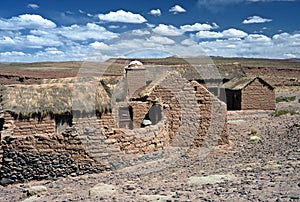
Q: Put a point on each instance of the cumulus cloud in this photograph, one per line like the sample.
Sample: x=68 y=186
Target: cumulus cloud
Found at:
x=33 y=6
x=12 y=53
x=139 y=32
x=100 y=45
x=6 y=40
x=256 y=19
x=198 y=27
x=234 y=33
x=89 y=31
x=161 y=40
x=122 y=16
x=167 y=30
x=155 y=12
x=26 y=21
x=177 y=9
x=229 y=33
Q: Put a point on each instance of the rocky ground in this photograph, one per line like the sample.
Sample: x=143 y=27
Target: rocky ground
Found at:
x=262 y=163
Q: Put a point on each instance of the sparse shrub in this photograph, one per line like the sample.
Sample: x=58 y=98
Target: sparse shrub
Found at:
x=254 y=138
x=284 y=111
x=253 y=131
x=285 y=99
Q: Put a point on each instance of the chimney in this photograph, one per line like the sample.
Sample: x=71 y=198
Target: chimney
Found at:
x=135 y=74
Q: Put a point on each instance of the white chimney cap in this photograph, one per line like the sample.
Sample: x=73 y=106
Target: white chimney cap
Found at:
x=135 y=63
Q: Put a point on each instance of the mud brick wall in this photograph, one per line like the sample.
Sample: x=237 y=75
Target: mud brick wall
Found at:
x=140 y=140
x=136 y=79
x=213 y=118
x=107 y=120
x=139 y=110
x=257 y=95
x=171 y=107
x=30 y=126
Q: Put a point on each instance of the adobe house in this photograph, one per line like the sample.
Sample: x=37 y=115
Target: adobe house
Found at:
x=248 y=93
x=62 y=127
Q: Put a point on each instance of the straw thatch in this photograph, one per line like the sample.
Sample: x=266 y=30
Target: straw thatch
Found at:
x=59 y=98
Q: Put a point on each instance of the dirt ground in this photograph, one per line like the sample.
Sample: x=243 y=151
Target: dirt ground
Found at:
x=261 y=168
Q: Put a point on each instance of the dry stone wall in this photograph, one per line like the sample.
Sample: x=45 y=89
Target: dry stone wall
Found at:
x=257 y=95
x=47 y=156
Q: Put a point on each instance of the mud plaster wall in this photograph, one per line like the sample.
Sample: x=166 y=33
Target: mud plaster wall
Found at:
x=257 y=95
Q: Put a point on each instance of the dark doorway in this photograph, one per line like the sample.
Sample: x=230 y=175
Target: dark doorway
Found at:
x=125 y=117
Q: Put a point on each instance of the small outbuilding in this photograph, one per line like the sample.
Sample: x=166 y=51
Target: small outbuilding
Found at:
x=249 y=93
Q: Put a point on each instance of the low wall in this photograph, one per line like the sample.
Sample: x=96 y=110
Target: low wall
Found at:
x=140 y=140
x=47 y=156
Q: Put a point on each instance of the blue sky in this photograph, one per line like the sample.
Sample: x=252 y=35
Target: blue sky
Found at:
x=39 y=30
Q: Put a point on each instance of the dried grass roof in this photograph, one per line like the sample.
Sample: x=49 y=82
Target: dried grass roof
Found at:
x=59 y=98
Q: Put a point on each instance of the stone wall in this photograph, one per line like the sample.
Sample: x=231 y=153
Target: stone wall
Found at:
x=45 y=156
x=258 y=95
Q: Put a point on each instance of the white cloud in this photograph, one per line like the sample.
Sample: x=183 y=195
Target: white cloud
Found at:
x=100 y=45
x=54 y=51
x=229 y=33
x=89 y=31
x=33 y=40
x=139 y=32
x=12 y=53
x=160 y=40
x=188 y=42
x=155 y=12
x=167 y=30
x=198 y=27
x=290 y=55
x=33 y=6
x=257 y=38
x=208 y=35
x=177 y=9
x=234 y=33
x=256 y=19
x=122 y=16
x=26 y=21
x=6 y=40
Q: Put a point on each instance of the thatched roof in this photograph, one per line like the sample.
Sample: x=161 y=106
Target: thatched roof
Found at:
x=59 y=98
x=240 y=83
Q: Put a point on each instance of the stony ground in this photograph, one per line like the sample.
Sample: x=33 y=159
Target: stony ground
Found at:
x=262 y=163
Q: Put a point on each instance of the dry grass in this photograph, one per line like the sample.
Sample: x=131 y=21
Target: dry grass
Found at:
x=59 y=98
